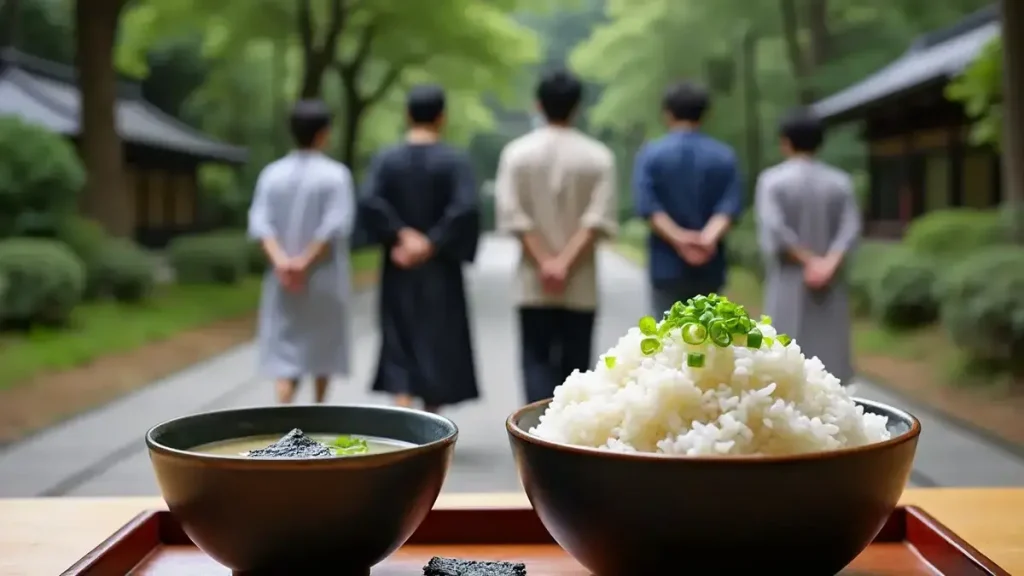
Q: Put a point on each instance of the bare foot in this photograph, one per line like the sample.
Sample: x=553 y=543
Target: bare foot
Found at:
x=286 y=390
x=320 y=388
x=404 y=401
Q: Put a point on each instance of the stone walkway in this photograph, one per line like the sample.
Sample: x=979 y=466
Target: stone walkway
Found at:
x=100 y=453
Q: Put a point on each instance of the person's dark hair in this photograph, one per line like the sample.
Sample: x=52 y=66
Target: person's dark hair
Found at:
x=804 y=131
x=559 y=94
x=425 y=104
x=309 y=118
x=686 y=101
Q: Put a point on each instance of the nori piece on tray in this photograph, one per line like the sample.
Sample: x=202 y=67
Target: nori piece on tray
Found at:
x=455 y=567
x=294 y=444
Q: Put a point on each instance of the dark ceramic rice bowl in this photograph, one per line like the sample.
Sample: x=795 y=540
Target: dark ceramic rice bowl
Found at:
x=638 y=514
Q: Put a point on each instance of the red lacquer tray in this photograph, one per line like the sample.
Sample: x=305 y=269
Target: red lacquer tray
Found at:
x=912 y=543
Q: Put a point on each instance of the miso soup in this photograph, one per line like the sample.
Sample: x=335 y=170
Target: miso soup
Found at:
x=342 y=445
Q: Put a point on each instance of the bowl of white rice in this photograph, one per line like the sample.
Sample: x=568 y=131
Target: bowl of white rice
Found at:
x=708 y=442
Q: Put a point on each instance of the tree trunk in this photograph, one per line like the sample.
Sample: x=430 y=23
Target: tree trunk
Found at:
x=821 y=35
x=797 y=59
x=10 y=14
x=751 y=112
x=1013 y=110
x=105 y=199
x=315 y=64
x=350 y=135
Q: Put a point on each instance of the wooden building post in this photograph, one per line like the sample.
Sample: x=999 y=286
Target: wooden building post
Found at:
x=1013 y=103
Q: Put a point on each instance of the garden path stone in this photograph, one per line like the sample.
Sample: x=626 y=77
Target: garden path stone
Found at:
x=101 y=452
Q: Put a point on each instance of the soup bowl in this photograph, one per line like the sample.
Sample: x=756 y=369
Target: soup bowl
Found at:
x=338 y=515
x=620 y=514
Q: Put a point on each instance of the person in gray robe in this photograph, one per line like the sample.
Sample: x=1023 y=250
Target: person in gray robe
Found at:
x=302 y=213
x=421 y=203
x=808 y=223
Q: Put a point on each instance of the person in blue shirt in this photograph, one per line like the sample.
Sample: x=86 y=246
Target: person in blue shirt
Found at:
x=688 y=187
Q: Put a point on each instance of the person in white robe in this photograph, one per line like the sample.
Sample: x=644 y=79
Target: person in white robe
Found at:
x=303 y=212
x=808 y=223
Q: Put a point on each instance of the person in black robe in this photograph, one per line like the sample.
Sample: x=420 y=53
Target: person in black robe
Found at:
x=420 y=203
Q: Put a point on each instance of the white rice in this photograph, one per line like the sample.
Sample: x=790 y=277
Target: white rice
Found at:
x=768 y=401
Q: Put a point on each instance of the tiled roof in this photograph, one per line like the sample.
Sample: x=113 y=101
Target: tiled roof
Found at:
x=44 y=93
x=935 y=57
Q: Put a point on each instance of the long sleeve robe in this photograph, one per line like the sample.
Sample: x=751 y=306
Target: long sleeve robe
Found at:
x=303 y=197
x=812 y=205
x=426 y=345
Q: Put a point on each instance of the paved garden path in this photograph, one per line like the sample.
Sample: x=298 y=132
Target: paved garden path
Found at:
x=100 y=453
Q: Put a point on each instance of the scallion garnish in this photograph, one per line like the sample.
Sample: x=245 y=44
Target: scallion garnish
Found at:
x=650 y=346
x=648 y=326
x=609 y=361
x=705 y=318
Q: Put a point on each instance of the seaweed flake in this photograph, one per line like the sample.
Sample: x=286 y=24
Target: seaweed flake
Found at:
x=454 y=567
x=294 y=444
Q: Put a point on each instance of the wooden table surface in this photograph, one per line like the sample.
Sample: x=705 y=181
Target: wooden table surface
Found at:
x=43 y=537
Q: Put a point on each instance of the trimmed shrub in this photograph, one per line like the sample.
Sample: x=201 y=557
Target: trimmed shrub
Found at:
x=215 y=258
x=40 y=179
x=45 y=281
x=955 y=232
x=3 y=292
x=256 y=258
x=862 y=269
x=982 y=306
x=902 y=290
x=86 y=239
x=742 y=248
x=125 y=272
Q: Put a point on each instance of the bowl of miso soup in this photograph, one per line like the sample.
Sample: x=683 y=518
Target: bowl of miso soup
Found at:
x=302 y=489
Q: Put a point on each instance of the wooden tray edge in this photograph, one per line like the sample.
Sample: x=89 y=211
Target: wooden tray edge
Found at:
x=145 y=525
x=933 y=541
x=946 y=551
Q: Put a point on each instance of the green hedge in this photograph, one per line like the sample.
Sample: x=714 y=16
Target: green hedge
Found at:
x=982 y=305
x=45 y=281
x=87 y=240
x=902 y=289
x=862 y=269
x=955 y=232
x=214 y=258
x=40 y=179
x=124 y=272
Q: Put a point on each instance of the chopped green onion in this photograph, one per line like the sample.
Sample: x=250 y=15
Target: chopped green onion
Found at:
x=609 y=361
x=702 y=318
x=694 y=334
x=765 y=319
x=649 y=326
x=650 y=346
x=719 y=333
x=754 y=338
x=695 y=360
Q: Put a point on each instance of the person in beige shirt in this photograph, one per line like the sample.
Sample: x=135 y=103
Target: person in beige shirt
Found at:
x=555 y=190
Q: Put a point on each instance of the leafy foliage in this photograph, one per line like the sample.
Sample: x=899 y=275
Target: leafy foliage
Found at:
x=124 y=271
x=40 y=179
x=980 y=89
x=956 y=232
x=983 y=306
x=45 y=281
x=216 y=258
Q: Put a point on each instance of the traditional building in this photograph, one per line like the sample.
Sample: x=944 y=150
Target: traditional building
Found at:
x=920 y=158
x=161 y=153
